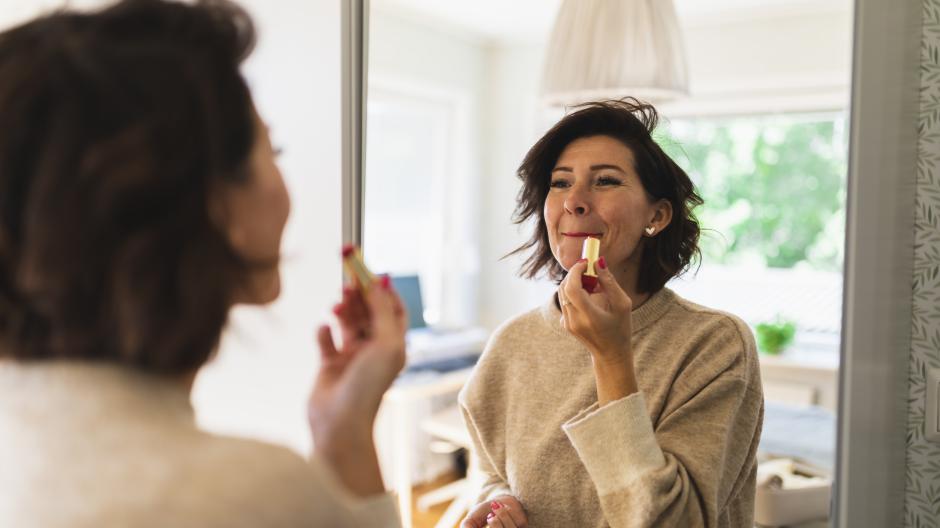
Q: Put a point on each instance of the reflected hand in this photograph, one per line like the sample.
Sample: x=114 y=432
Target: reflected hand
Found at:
x=600 y=320
x=509 y=514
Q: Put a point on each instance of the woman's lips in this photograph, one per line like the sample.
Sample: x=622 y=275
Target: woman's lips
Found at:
x=581 y=234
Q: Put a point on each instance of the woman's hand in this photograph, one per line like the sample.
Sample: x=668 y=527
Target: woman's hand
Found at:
x=601 y=320
x=504 y=511
x=352 y=380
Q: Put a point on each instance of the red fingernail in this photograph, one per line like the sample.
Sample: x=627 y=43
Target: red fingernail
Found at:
x=495 y=505
x=337 y=308
x=490 y=515
x=602 y=263
x=386 y=282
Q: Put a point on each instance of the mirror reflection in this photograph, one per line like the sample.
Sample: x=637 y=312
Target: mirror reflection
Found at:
x=480 y=190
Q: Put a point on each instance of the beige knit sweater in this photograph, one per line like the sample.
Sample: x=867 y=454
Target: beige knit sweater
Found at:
x=85 y=445
x=680 y=453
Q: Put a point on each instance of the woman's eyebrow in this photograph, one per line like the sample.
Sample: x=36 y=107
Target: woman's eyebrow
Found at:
x=607 y=166
x=562 y=169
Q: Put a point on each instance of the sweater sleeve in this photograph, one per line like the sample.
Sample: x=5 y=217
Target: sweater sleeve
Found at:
x=484 y=464
x=342 y=509
x=684 y=470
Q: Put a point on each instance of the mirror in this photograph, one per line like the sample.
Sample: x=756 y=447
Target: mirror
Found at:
x=454 y=103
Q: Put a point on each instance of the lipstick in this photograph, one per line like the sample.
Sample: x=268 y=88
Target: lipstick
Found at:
x=356 y=269
x=591 y=250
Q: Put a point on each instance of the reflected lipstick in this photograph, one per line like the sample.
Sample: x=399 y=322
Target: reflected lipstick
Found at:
x=591 y=250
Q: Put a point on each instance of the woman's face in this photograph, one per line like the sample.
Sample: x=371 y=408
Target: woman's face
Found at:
x=596 y=191
x=255 y=213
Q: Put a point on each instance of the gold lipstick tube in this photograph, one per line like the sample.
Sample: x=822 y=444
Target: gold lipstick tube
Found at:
x=591 y=250
x=356 y=269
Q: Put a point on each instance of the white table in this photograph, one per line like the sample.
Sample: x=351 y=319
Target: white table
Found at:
x=399 y=403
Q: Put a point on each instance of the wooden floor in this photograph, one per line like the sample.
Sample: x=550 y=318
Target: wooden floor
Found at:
x=427 y=519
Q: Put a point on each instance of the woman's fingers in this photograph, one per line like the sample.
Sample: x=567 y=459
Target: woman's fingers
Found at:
x=476 y=518
x=493 y=521
x=511 y=515
x=579 y=299
x=517 y=515
x=618 y=299
x=500 y=519
x=381 y=301
x=400 y=311
x=353 y=314
x=328 y=350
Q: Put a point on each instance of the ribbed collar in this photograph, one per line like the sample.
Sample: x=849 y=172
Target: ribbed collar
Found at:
x=648 y=313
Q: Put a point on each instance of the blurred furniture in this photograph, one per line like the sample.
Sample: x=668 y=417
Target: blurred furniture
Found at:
x=448 y=425
x=800 y=440
x=801 y=379
x=399 y=423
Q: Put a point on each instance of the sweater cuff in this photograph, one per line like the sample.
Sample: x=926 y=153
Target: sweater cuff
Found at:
x=494 y=492
x=380 y=511
x=615 y=442
x=374 y=511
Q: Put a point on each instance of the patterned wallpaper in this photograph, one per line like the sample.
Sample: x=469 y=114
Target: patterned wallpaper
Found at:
x=922 y=505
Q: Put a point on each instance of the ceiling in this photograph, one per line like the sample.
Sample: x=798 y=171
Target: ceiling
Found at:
x=532 y=19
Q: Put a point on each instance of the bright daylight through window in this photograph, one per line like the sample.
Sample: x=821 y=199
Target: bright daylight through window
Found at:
x=774 y=219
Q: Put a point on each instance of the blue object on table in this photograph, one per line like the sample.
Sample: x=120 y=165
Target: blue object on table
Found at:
x=409 y=289
x=445 y=365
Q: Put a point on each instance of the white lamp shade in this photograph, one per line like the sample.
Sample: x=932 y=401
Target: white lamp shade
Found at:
x=610 y=49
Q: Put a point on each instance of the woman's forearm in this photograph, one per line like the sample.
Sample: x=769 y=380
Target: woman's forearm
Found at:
x=353 y=459
x=615 y=378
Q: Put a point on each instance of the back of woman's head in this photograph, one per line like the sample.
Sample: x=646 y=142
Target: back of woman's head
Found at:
x=117 y=125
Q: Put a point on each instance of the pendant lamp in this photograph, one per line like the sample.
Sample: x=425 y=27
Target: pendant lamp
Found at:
x=610 y=49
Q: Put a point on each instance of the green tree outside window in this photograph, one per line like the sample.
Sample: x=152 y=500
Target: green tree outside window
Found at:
x=774 y=187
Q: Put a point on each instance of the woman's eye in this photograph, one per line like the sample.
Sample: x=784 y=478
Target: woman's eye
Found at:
x=558 y=184
x=608 y=180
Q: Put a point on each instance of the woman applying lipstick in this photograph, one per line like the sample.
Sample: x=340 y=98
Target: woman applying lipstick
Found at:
x=624 y=406
x=140 y=200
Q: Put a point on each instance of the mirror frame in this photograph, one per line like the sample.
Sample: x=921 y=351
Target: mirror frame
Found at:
x=876 y=329
x=354 y=47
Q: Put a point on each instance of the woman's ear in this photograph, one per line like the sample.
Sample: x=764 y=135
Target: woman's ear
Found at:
x=662 y=215
x=222 y=208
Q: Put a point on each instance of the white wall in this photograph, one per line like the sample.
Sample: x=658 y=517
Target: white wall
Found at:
x=258 y=384
x=410 y=57
x=514 y=121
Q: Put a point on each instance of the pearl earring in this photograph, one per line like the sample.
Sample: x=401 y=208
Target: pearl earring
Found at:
x=650 y=230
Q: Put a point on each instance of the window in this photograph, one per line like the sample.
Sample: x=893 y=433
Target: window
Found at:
x=418 y=212
x=774 y=218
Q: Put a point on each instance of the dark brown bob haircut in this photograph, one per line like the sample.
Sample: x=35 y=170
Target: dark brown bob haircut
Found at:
x=631 y=122
x=117 y=126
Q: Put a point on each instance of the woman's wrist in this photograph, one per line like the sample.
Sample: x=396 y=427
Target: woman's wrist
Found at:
x=615 y=377
x=335 y=434
x=353 y=459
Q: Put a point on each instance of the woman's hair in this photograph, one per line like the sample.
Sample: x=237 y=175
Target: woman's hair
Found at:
x=117 y=126
x=631 y=122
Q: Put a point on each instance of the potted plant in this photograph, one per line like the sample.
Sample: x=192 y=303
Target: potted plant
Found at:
x=774 y=336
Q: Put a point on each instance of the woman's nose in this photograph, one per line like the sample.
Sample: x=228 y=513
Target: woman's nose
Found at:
x=576 y=203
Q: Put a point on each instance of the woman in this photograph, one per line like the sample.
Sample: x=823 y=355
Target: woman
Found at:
x=627 y=406
x=139 y=201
